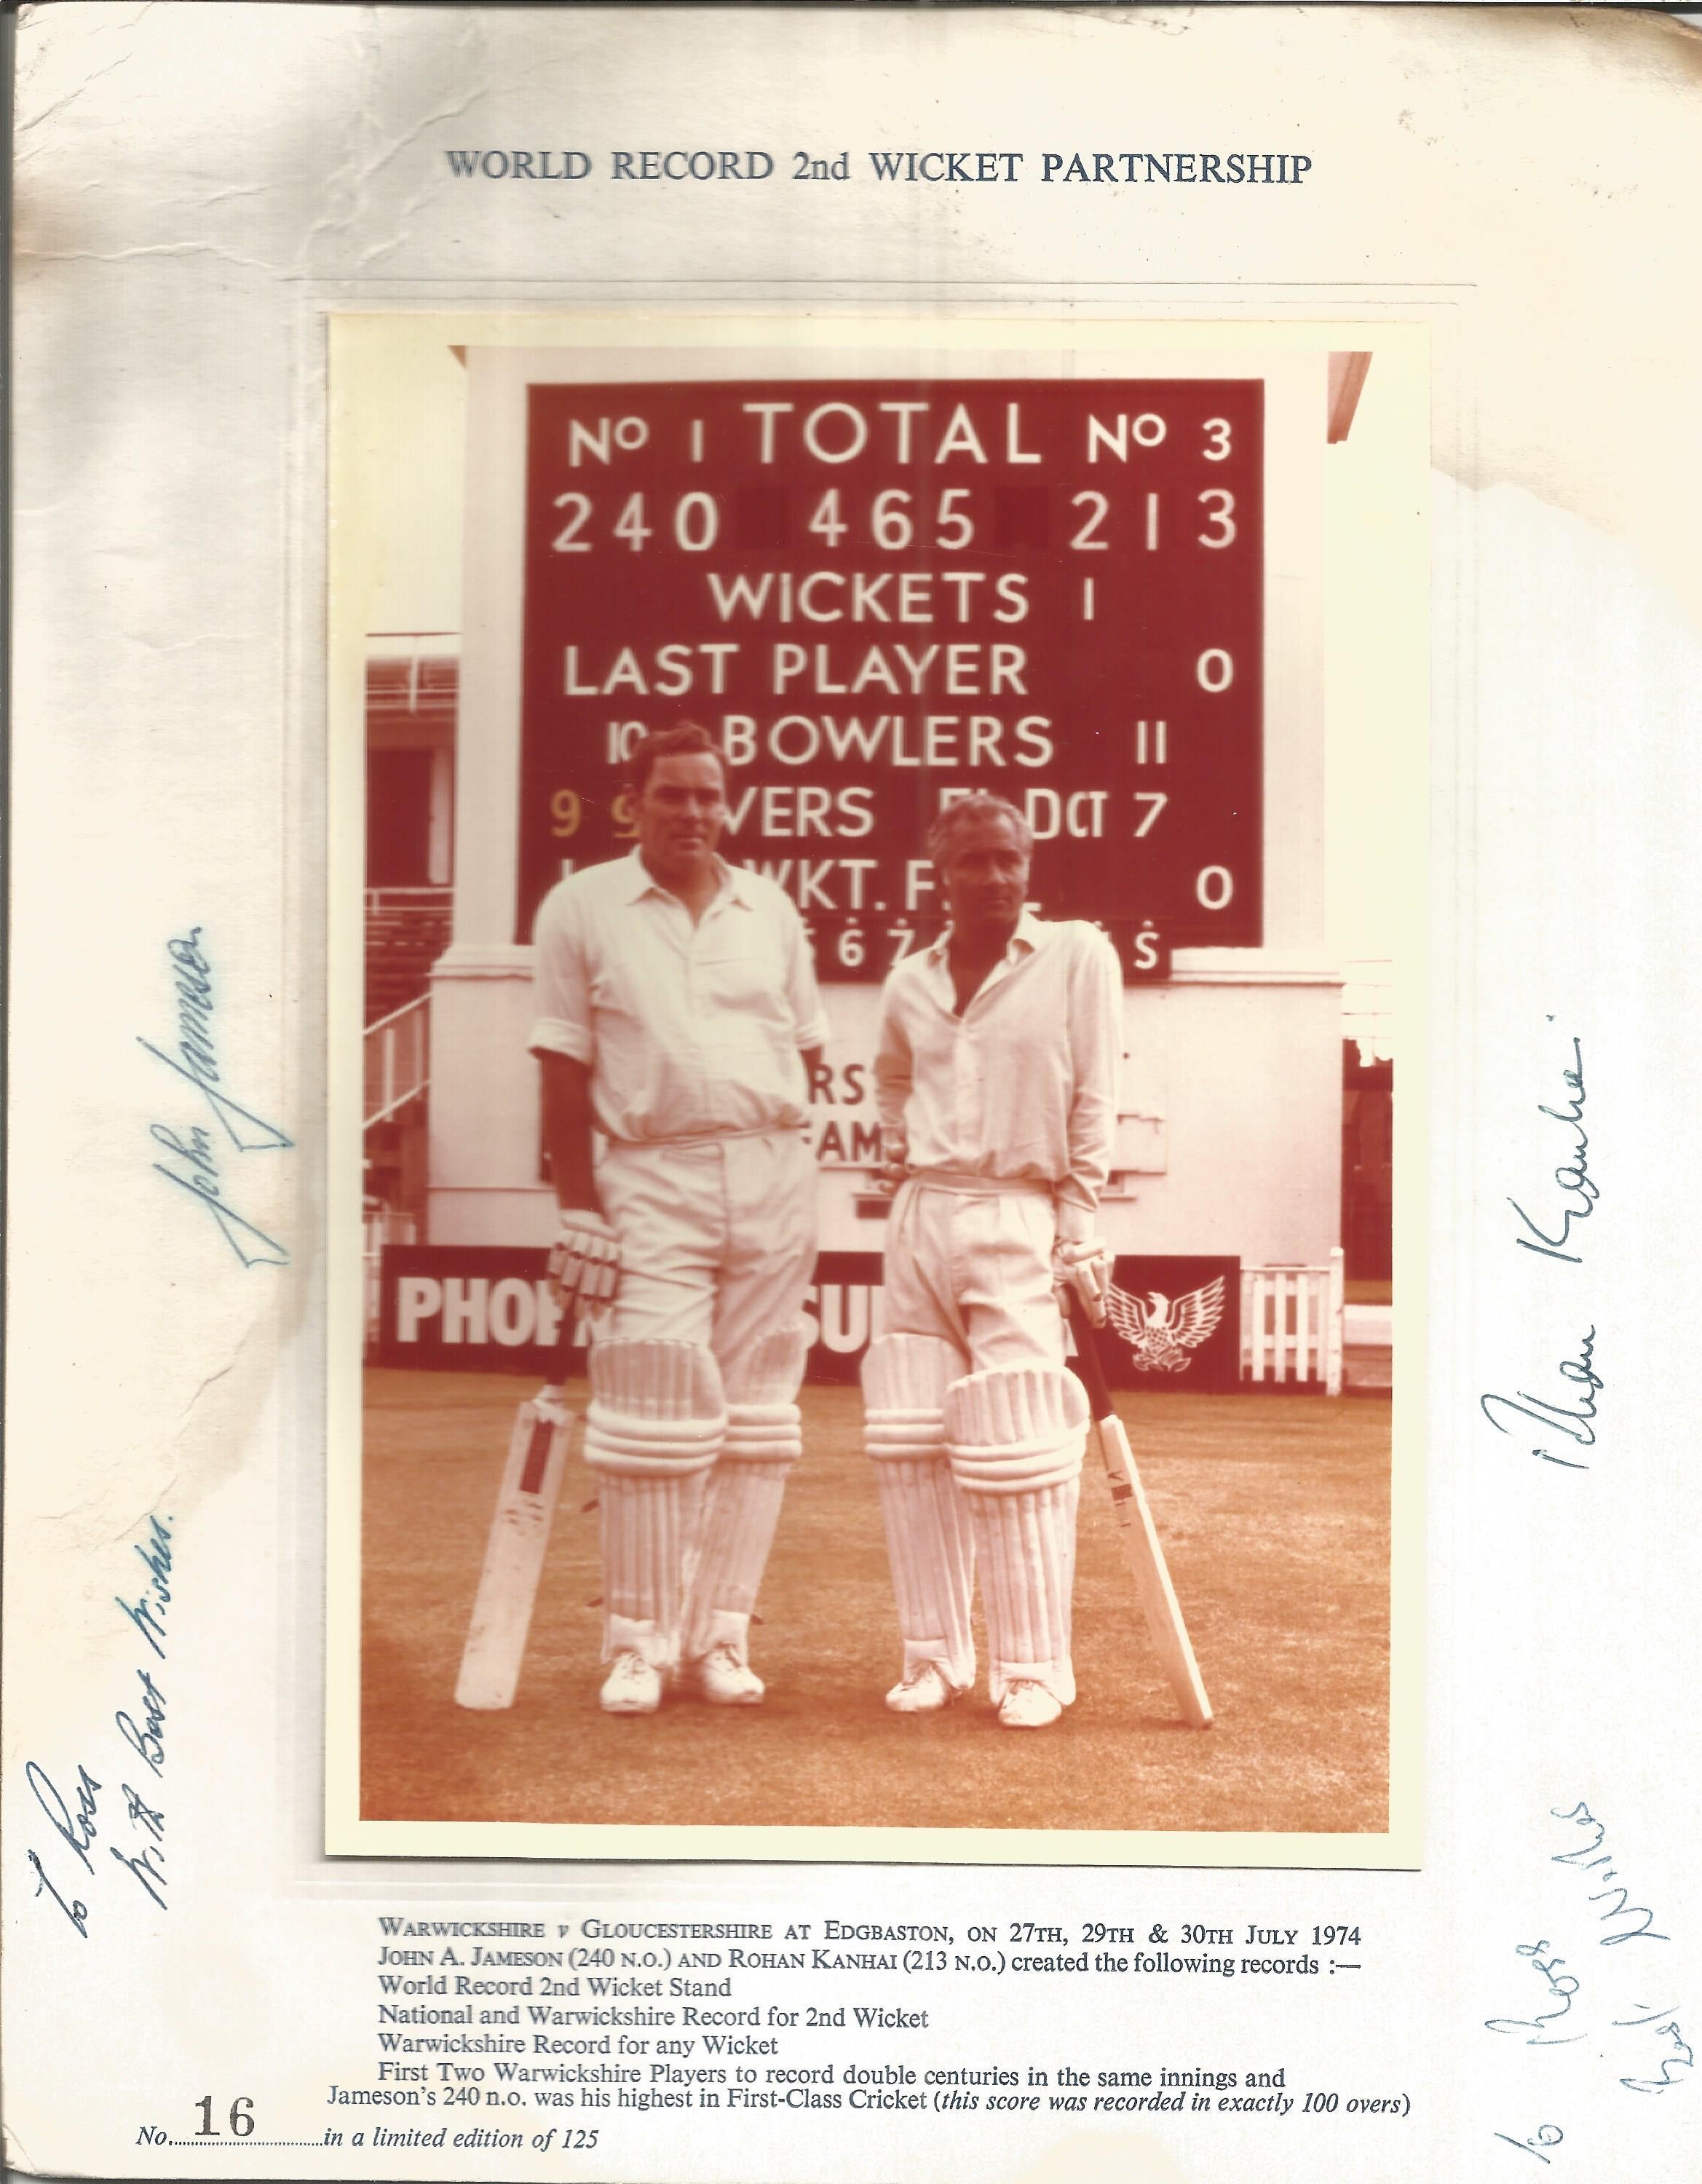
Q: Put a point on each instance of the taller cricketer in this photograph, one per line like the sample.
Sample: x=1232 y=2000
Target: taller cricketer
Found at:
x=677 y=1013
x=996 y=1080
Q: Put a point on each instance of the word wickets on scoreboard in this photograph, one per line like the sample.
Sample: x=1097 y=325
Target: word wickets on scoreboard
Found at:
x=877 y=595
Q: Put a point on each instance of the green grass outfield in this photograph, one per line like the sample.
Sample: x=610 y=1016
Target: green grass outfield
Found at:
x=1274 y=1513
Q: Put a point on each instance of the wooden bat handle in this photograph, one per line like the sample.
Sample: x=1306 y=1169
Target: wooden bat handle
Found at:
x=1088 y=1366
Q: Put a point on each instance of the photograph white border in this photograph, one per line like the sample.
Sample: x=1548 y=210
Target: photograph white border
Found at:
x=997 y=335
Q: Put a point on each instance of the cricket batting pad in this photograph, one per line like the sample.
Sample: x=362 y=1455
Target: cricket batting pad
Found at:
x=514 y=1555
x=1016 y=1435
x=741 y=1506
x=929 y=1542
x=656 y=1423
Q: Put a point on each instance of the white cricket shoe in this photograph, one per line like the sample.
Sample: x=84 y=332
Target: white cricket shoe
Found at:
x=724 y=1679
x=1027 y=1705
x=923 y=1691
x=631 y=1686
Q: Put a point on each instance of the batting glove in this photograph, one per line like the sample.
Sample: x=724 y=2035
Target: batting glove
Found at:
x=585 y=1263
x=1081 y=1262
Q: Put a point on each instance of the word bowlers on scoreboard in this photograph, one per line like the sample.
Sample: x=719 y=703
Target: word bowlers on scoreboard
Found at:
x=878 y=595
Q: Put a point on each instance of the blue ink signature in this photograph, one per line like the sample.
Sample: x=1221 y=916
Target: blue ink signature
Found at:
x=76 y=1910
x=1559 y=1417
x=1548 y=2134
x=1560 y=1983
x=1683 y=2058
x=196 y=1060
x=147 y=1738
x=1572 y=1177
x=77 y=1828
x=1673 y=2057
x=147 y=1611
x=1582 y=1856
x=80 y=1831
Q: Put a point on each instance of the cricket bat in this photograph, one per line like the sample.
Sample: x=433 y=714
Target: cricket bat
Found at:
x=520 y=1537
x=1146 y=1558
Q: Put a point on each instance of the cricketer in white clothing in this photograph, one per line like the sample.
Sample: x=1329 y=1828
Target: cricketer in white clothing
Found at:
x=678 y=1012
x=996 y=1080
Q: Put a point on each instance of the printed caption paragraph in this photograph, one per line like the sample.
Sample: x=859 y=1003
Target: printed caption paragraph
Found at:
x=485 y=2028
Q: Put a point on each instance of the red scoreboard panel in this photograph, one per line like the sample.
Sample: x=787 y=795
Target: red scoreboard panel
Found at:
x=880 y=593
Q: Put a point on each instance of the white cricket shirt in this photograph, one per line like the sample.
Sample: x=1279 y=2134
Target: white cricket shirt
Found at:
x=1022 y=1088
x=688 y=1028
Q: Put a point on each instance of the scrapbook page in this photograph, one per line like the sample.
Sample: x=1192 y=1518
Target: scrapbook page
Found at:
x=745 y=1437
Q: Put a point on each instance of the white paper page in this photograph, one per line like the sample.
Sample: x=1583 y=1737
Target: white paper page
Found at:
x=295 y=326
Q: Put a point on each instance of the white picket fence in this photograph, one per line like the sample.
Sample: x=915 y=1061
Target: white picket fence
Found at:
x=1291 y=1324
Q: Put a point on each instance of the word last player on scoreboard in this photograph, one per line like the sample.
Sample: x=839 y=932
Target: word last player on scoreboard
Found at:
x=881 y=594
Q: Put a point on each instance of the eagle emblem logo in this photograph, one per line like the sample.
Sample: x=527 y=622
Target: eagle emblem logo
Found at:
x=1162 y=1332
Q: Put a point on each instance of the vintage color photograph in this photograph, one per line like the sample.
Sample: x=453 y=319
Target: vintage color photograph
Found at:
x=880 y=918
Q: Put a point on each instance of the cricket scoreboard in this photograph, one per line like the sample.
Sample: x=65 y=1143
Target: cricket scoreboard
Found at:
x=880 y=594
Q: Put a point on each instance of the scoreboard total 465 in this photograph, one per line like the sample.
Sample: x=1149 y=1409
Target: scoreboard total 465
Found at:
x=880 y=594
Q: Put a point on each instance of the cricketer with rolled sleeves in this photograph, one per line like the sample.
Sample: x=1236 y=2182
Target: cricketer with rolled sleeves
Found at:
x=996 y=1079
x=677 y=1010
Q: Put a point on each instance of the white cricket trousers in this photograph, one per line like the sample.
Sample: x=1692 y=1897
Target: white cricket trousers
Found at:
x=717 y=1238
x=717 y=1245
x=971 y=1264
x=974 y=1268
